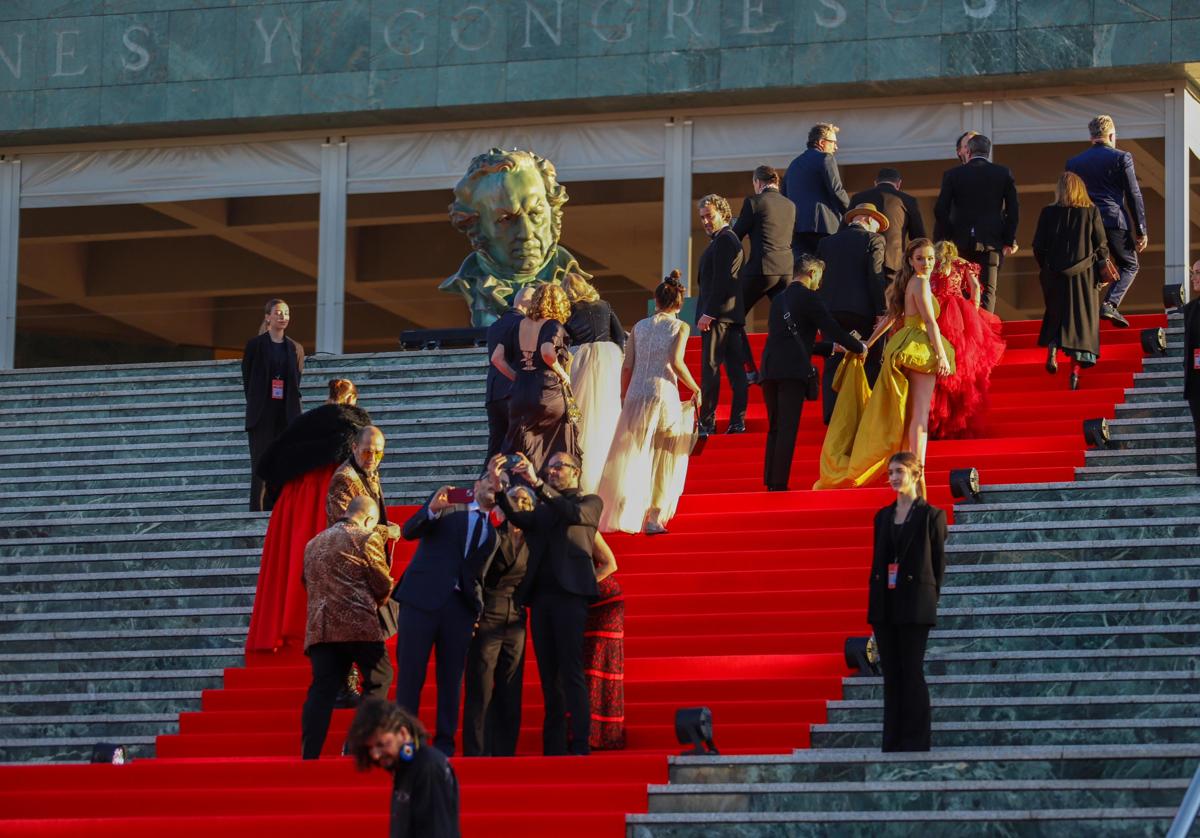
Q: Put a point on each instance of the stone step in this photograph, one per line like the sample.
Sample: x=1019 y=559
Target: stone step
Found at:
x=1158 y=456
x=1079 y=508
x=98 y=705
x=1023 y=732
x=1164 y=437
x=1097 y=529
x=957 y=612
x=1139 y=487
x=1167 y=409
x=1021 y=685
x=170 y=561
x=127 y=724
x=230 y=505
x=62 y=749
x=1116 y=639
x=63 y=686
x=987 y=709
x=1182 y=467
x=36 y=587
x=1155 y=395
x=1100 y=570
x=984 y=660
x=26 y=546
x=83 y=664
x=109 y=640
x=166 y=522
x=210 y=607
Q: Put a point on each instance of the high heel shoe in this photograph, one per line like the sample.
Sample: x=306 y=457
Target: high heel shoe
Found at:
x=1052 y=360
x=1074 y=377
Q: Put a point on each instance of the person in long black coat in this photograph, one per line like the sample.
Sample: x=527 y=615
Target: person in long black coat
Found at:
x=905 y=585
x=1191 y=357
x=1070 y=246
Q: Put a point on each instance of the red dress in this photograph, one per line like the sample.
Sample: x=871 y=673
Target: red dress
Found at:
x=975 y=335
x=604 y=662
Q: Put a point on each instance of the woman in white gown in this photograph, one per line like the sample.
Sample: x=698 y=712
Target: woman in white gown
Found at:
x=597 y=342
x=647 y=463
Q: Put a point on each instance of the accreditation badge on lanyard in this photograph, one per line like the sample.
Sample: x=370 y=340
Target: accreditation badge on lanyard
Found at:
x=277 y=388
x=1196 y=359
x=893 y=573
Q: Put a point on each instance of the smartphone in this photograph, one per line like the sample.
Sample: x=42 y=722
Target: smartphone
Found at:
x=512 y=461
x=460 y=496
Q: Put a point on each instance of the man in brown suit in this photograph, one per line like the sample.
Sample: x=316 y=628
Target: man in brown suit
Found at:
x=347 y=577
x=359 y=476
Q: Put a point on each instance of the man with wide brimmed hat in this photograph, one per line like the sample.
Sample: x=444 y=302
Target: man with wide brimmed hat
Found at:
x=853 y=286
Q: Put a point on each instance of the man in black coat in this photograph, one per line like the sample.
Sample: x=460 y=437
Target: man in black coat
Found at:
x=1191 y=357
x=499 y=388
x=559 y=584
x=903 y=215
x=721 y=318
x=441 y=597
x=787 y=371
x=768 y=219
x=814 y=185
x=977 y=209
x=853 y=288
x=271 y=368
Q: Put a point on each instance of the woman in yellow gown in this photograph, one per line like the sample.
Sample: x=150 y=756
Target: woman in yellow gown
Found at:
x=869 y=426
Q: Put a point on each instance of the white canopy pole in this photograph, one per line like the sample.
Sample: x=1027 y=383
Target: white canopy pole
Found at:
x=10 y=224
x=677 y=200
x=331 y=253
x=1177 y=142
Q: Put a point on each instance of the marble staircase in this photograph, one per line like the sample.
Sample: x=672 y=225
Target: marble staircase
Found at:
x=127 y=557
x=1064 y=669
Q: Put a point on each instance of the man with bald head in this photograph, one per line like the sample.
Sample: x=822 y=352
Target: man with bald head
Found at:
x=359 y=475
x=499 y=388
x=347 y=577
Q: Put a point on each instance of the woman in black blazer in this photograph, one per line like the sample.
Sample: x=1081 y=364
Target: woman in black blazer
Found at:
x=906 y=581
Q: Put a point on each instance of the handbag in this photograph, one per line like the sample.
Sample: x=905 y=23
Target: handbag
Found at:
x=812 y=382
x=1107 y=273
x=574 y=414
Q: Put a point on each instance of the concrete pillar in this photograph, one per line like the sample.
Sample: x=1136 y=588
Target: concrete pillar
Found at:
x=1180 y=137
x=331 y=252
x=10 y=225
x=677 y=200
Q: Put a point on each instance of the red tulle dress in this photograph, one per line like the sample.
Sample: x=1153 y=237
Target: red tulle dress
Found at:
x=975 y=335
x=280 y=602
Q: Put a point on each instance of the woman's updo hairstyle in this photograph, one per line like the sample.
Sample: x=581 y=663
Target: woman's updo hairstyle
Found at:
x=668 y=296
x=341 y=390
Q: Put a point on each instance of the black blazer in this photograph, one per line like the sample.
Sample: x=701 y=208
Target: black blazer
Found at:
x=853 y=280
x=814 y=185
x=922 y=559
x=561 y=533
x=977 y=205
x=1191 y=344
x=499 y=387
x=509 y=565
x=904 y=221
x=441 y=562
x=256 y=377
x=783 y=356
x=719 y=293
x=768 y=219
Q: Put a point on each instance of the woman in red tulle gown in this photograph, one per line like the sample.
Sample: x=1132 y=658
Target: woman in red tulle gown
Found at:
x=975 y=334
x=297 y=467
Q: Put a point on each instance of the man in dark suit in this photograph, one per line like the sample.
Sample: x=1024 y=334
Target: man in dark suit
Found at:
x=977 y=210
x=558 y=585
x=1112 y=185
x=721 y=318
x=496 y=660
x=853 y=288
x=903 y=215
x=787 y=371
x=441 y=597
x=271 y=368
x=1191 y=357
x=814 y=185
x=768 y=219
x=499 y=387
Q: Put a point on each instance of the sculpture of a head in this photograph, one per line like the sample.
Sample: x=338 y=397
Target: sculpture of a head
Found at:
x=509 y=203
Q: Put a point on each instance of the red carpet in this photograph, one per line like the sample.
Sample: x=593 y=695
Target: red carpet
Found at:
x=743 y=607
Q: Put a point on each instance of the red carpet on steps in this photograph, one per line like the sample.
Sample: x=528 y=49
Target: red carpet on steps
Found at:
x=743 y=608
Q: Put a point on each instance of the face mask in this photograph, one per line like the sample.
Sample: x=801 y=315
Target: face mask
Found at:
x=407 y=751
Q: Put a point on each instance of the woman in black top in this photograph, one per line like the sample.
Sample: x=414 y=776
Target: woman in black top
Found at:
x=598 y=344
x=534 y=357
x=905 y=584
x=1070 y=246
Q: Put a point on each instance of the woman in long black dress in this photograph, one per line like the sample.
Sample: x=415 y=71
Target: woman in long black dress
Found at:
x=1070 y=246
x=534 y=356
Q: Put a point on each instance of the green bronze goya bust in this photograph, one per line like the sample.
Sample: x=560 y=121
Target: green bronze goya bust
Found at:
x=509 y=203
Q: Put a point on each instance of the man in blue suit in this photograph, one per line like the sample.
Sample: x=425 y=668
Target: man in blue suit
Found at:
x=441 y=597
x=1112 y=185
x=814 y=185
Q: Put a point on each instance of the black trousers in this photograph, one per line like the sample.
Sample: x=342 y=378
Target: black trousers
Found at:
x=806 y=243
x=907 y=719
x=864 y=326
x=1194 y=405
x=723 y=346
x=989 y=262
x=557 y=620
x=785 y=402
x=497 y=416
x=495 y=667
x=1122 y=249
x=330 y=666
x=270 y=425
x=448 y=629
x=754 y=288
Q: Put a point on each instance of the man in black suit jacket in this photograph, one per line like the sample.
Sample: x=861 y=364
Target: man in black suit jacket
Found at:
x=721 y=318
x=768 y=219
x=853 y=288
x=1191 y=357
x=814 y=185
x=271 y=368
x=499 y=387
x=977 y=209
x=787 y=368
x=496 y=661
x=441 y=597
x=903 y=215
x=558 y=586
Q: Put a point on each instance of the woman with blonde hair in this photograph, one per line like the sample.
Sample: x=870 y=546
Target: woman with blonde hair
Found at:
x=534 y=357
x=597 y=345
x=869 y=426
x=1071 y=247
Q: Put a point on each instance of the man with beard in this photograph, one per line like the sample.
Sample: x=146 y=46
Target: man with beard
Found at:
x=721 y=318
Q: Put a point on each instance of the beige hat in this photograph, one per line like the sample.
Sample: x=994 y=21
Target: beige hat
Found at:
x=870 y=212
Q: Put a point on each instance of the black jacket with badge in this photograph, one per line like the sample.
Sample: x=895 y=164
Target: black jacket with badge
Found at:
x=424 y=796
x=922 y=559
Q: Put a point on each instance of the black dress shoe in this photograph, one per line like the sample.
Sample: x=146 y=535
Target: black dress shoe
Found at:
x=736 y=428
x=1109 y=312
x=1074 y=380
x=777 y=488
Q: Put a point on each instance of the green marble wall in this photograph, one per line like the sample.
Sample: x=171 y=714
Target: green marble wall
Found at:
x=79 y=64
